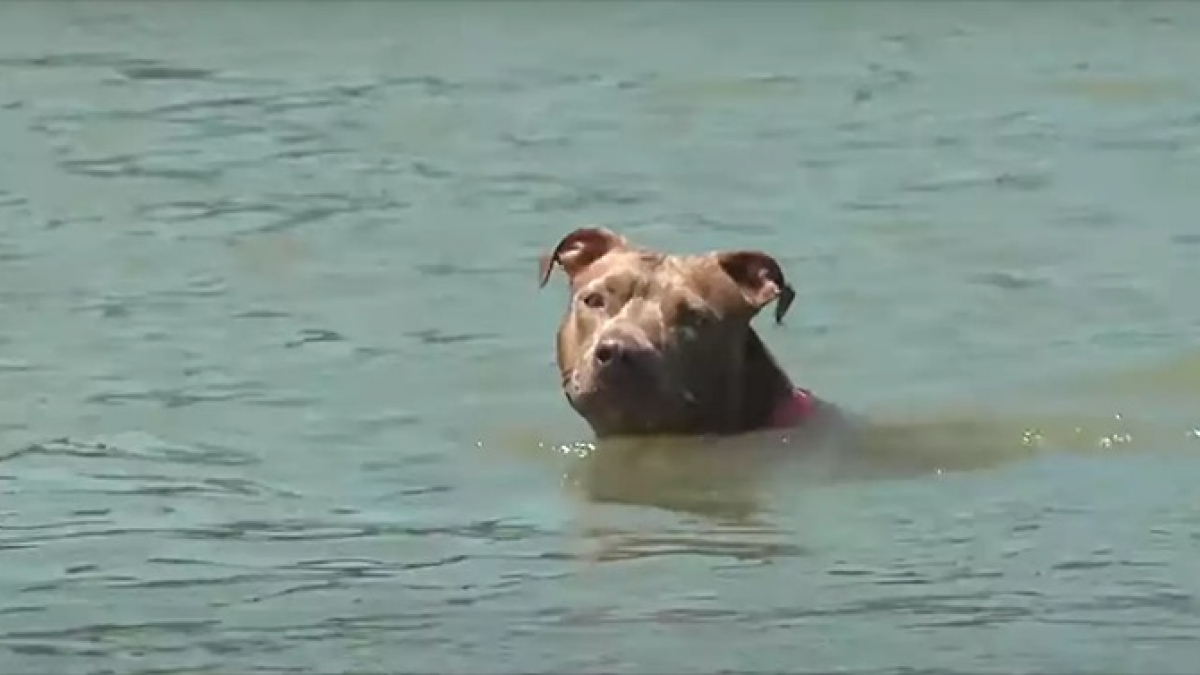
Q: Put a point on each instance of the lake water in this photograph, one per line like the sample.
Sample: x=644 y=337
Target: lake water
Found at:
x=278 y=388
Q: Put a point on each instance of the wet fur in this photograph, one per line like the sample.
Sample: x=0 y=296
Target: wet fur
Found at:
x=700 y=366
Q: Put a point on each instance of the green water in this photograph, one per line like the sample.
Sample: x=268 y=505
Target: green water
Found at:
x=277 y=381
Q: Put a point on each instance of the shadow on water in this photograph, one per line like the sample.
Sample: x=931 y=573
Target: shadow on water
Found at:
x=732 y=480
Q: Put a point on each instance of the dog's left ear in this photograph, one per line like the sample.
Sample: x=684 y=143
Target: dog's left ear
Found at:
x=760 y=279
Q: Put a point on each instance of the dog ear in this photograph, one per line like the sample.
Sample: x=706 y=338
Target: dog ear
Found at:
x=760 y=278
x=577 y=250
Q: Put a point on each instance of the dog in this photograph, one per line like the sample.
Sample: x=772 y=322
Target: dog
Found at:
x=657 y=344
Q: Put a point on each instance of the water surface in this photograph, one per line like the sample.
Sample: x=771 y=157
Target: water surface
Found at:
x=278 y=391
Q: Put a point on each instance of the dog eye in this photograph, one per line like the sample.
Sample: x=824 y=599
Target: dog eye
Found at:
x=594 y=300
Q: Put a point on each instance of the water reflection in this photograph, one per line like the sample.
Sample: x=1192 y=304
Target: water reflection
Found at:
x=754 y=544
x=721 y=479
x=732 y=480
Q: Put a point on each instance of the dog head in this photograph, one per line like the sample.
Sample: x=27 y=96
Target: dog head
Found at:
x=655 y=343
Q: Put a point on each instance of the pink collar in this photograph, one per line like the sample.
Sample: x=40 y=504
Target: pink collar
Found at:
x=793 y=410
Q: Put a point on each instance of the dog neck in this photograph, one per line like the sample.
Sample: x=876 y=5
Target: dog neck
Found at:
x=768 y=397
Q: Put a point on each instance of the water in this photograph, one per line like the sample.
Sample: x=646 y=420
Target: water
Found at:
x=278 y=392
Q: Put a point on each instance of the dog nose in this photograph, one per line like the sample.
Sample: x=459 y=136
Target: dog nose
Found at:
x=621 y=351
x=608 y=351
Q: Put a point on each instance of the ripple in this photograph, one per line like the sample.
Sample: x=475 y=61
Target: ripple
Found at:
x=706 y=222
x=425 y=169
x=536 y=140
x=168 y=486
x=1155 y=144
x=575 y=198
x=135 y=447
x=428 y=85
x=8 y=199
x=305 y=529
x=20 y=609
x=314 y=335
x=1010 y=281
x=304 y=99
x=127 y=166
x=101 y=631
x=631 y=547
x=1024 y=180
x=262 y=314
x=186 y=210
x=1089 y=217
x=1116 y=90
x=433 y=336
x=278 y=213
x=164 y=72
x=70 y=60
x=450 y=269
x=169 y=398
x=18 y=366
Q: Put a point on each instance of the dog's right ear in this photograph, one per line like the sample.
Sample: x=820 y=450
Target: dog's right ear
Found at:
x=579 y=249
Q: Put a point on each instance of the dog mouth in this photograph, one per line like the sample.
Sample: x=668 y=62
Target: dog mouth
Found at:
x=625 y=402
x=617 y=384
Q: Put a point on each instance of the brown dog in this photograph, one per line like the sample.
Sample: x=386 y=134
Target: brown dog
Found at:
x=653 y=343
